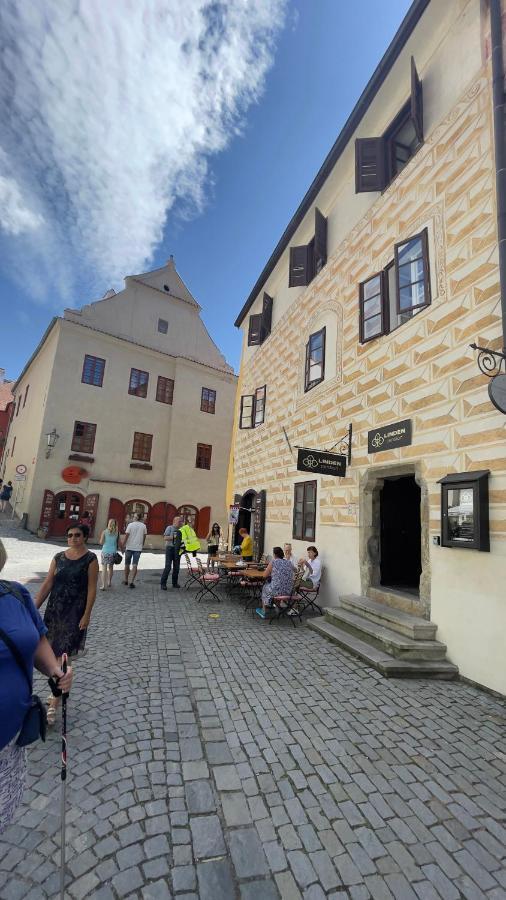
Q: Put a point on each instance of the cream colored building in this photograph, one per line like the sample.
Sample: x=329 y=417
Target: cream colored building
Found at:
x=141 y=401
x=363 y=316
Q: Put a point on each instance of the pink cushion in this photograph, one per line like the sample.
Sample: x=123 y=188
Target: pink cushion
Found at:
x=211 y=577
x=282 y=597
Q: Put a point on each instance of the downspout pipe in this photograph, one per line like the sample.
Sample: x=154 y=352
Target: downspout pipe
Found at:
x=500 y=148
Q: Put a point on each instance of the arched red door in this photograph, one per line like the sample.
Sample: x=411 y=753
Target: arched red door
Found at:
x=68 y=506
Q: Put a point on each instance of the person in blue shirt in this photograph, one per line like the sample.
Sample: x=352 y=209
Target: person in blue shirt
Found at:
x=23 y=624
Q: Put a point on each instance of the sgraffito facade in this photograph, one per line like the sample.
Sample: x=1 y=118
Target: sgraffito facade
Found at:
x=395 y=349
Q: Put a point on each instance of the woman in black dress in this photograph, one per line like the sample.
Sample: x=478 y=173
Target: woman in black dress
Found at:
x=72 y=585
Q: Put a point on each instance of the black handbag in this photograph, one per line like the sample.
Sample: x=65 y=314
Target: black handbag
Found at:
x=117 y=559
x=35 y=722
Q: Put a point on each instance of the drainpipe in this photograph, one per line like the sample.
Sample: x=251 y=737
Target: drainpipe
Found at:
x=500 y=148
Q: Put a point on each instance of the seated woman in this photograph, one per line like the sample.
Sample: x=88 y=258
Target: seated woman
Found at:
x=314 y=569
x=280 y=573
x=287 y=548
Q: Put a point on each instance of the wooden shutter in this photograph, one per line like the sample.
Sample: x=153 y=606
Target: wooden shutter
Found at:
x=320 y=241
x=258 y=524
x=266 y=316
x=300 y=266
x=247 y=411
x=117 y=511
x=157 y=518
x=369 y=165
x=170 y=513
x=46 y=513
x=91 y=506
x=255 y=330
x=204 y=521
x=416 y=102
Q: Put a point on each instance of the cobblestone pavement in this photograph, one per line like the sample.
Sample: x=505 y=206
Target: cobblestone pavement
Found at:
x=221 y=758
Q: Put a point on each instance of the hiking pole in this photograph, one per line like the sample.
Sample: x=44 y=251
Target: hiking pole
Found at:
x=63 y=779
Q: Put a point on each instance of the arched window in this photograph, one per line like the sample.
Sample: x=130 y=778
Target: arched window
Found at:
x=190 y=515
x=136 y=506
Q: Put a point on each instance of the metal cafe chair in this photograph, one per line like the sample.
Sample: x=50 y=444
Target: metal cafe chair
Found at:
x=308 y=597
x=287 y=605
x=192 y=575
x=207 y=582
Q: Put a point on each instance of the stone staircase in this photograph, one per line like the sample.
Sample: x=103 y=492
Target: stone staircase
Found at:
x=393 y=641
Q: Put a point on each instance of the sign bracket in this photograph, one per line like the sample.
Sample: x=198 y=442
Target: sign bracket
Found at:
x=343 y=444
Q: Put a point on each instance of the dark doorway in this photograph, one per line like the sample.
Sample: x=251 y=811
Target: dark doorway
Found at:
x=401 y=562
x=244 y=520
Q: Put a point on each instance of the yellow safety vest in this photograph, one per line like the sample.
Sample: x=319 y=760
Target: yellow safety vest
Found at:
x=189 y=539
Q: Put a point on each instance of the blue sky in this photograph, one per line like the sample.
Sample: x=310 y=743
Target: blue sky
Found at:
x=198 y=137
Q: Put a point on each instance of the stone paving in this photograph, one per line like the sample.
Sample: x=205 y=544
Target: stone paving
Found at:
x=221 y=758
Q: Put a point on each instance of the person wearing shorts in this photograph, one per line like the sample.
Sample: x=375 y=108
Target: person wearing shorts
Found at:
x=135 y=536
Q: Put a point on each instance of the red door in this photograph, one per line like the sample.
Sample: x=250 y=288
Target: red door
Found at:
x=67 y=511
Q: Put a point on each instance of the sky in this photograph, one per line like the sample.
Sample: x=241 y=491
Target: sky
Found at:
x=138 y=129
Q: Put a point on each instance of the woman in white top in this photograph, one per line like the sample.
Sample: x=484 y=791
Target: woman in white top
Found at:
x=314 y=568
x=287 y=550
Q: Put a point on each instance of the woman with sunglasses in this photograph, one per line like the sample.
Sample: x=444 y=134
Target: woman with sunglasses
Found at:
x=71 y=585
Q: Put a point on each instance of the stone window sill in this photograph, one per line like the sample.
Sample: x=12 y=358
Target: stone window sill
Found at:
x=135 y=465
x=78 y=457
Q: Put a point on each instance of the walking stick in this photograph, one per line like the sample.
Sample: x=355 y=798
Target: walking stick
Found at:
x=63 y=780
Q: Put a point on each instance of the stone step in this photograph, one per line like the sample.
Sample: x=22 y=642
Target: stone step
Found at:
x=411 y=626
x=386 y=639
x=382 y=662
x=393 y=598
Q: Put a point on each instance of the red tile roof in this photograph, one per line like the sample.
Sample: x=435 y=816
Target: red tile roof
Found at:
x=6 y=395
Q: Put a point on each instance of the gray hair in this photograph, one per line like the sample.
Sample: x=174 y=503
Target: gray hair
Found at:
x=3 y=556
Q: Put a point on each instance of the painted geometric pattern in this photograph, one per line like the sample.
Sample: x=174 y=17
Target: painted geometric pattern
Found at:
x=424 y=370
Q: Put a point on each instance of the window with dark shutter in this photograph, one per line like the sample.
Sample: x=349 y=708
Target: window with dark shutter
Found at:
x=301 y=265
x=247 y=409
x=378 y=160
x=304 y=511
x=369 y=164
x=26 y=395
x=266 y=316
x=259 y=410
x=255 y=330
x=416 y=102
x=320 y=241
x=141 y=449
x=83 y=439
x=138 y=385
x=163 y=326
x=203 y=459
x=372 y=308
x=315 y=360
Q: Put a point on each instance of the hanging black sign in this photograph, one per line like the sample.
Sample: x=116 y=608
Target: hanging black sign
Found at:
x=390 y=436
x=317 y=462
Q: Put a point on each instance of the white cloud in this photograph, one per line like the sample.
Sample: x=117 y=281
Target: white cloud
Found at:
x=110 y=112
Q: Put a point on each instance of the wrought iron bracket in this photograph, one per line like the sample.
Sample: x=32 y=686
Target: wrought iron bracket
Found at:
x=343 y=445
x=490 y=362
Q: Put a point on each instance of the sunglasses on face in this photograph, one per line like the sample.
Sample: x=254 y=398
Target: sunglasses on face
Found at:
x=74 y=534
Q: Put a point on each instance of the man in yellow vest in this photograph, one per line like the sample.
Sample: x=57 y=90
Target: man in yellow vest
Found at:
x=189 y=540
